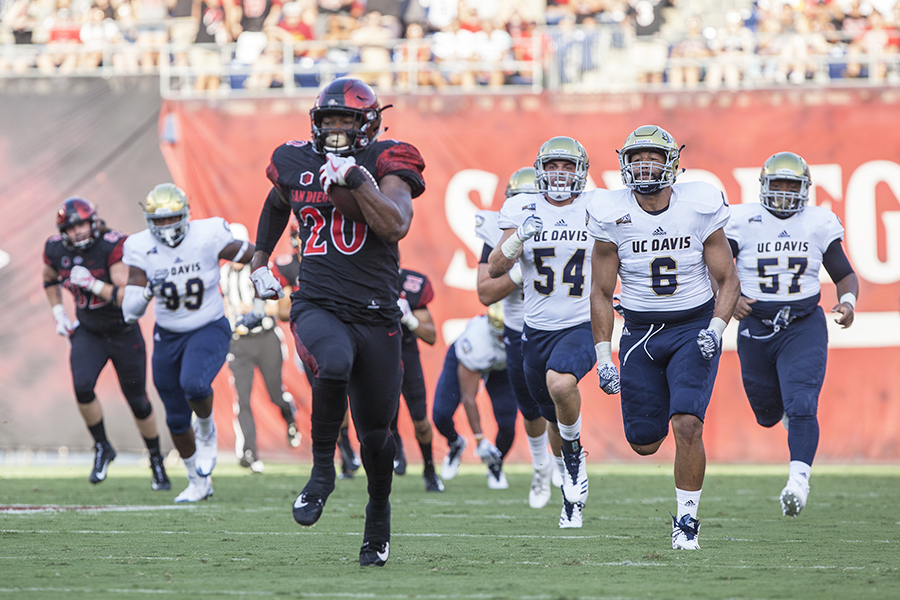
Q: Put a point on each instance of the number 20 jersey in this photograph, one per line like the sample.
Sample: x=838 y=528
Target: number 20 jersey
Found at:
x=661 y=265
x=556 y=263
x=779 y=259
x=345 y=268
x=190 y=295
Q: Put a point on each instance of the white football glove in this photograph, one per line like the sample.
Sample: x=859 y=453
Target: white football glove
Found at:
x=335 y=169
x=267 y=287
x=64 y=326
x=488 y=452
x=81 y=277
x=609 y=378
x=710 y=339
x=408 y=319
x=154 y=284
x=530 y=228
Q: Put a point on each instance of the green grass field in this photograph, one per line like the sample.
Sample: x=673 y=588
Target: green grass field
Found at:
x=120 y=540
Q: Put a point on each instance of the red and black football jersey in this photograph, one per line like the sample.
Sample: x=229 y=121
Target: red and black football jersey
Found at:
x=418 y=291
x=94 y=313
x=345 y=268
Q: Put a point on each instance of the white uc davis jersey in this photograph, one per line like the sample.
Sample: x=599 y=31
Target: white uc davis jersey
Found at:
x=661 y=264
x=556 y=263
x=191 y=296
x=779 y=259
x=479 y=348
x=487 y=228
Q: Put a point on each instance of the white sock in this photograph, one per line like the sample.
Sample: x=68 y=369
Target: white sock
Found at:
x=560 y=466
x=687 y=502
x=191 y=467
x=570 y=432
x=799 y=471
x=205 y=425
x=540 y=456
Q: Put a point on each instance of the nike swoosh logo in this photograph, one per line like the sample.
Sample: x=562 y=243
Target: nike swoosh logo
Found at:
x=384 y=555
x=393 y=333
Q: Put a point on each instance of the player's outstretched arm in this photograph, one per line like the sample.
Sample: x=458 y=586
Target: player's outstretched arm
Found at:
x=720 y=263
x=847 y=292
x=492 y=289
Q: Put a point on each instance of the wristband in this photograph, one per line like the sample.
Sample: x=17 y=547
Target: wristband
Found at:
x=240 y=253
x=717 y=325
x=97 y=287
x=848 y=298
x=259 y=306
x=604 y=352
x=354 y=178
x=59 y=311
x=510 y=248
x=114 y=297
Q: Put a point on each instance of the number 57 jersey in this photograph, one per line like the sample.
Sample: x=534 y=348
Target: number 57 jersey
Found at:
x=190 y=297
x=661 y=265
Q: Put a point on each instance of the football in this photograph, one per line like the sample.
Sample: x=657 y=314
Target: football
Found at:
x=343 y=199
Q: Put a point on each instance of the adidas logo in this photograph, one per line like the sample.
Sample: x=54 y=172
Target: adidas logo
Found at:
x=659 y=231
x=156 y=337
x=561 y=223
x=625 y=332
x=745 y=333
x=784 y=234
x=690 y=503
x=178 y=260
x=152 y=250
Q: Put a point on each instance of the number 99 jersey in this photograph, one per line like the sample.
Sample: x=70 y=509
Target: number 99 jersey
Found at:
x=661 y=265
x=190 y=297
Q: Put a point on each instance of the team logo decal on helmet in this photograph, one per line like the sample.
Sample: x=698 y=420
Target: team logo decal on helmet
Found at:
x=784 y=166
x=73 y=211
x=346 y=96
x=164 y=202
x=648 y=177
x=561 y=185
x=522 y=181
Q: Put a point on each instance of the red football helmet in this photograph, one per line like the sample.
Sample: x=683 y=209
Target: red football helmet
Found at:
x=346 y=96
x=73 y=211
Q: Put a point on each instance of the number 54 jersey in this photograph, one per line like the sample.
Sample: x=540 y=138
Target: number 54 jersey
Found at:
x=190 y=297
x=556 y=263
x=661 y=266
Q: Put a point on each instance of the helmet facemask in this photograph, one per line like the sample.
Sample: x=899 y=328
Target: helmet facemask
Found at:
x=164 y=202
x=75 y=211
x=561 y=185
x=784 y=166
x=344 y=141
x=649 y=176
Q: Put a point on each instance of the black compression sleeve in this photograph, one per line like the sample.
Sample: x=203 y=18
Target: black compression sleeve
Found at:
x=485 y=253
x=734 y=247
x=835 y=261
x=272 y=221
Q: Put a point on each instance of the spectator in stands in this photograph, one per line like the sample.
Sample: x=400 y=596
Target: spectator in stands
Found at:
x=61 y=51
x=98 y=34
x=648 y=50
x=212 y=34
x=522 y=31
x=19 y=19
x=686 y=70
x=493 y=44
x=182 y=27
x=373 y=38
x=152 y=31
x=453 y=48
x=733 y=46
x=417 y=48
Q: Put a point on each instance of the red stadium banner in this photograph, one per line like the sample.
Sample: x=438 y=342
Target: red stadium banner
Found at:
x=219 y=152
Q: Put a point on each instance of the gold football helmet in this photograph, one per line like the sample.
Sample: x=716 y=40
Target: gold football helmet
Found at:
x=784 y=166
x=164 y=202
x=561 y=185
x=521 y=182
x=648 y=177
x=495 y=318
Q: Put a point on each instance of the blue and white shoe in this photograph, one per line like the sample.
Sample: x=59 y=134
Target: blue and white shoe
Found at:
x=199 y=488
x=450 y=466
x=685 y=533
x=793 y=497
x=575 y=480
x=207 y=449
x=571 y=517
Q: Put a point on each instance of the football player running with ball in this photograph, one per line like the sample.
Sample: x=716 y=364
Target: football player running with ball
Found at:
x=664 y=240
x=345 y=317
x=780 y=245
x=546 y=234
x=176 y=261
x=86 y=258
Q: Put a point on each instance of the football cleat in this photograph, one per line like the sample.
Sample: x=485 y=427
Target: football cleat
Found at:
x=496 y=478
x=199 y=488
x=539 y=495
x=793 y=497
x=308 y=508
x=685 y=533
x=400 y=460
x=374 y=554
x=556 y=477
x=207 y=448
x=571 y=517
x=450 y=466
x=433 y=483
x=293 y=436
x=158 y=472
x=103 y=455
x=575 y=481
x=250 y=461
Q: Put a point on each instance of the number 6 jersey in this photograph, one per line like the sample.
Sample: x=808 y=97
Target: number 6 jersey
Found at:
x=190 y=297
x=661 y=265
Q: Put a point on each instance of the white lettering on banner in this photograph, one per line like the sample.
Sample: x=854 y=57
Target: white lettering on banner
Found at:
x=703 y=175
x=748 y=179
x=4 y=259
x=460 y=213
x=860 y=216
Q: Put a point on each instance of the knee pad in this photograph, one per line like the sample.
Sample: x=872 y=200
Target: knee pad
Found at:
x=768 y=417
x=644 y=432
x=84 y=397
x=140 y=406
x=197 y=391
x=375 y=441
x=178 y=423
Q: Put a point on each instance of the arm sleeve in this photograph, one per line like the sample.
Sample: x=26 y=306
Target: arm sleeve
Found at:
x=134 y=304
x=485 y=253
x=734 y=247
x=272 y=221
x=835 y=261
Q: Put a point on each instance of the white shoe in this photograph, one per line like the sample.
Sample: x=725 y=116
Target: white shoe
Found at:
x=199 y=488
x=207 y=448
x=450 y=466
x=575 y=480
x=685 y=533
x=496 y=478
x=555 y=476
x=539 y=495
x=571 y=518
x=793 y=497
